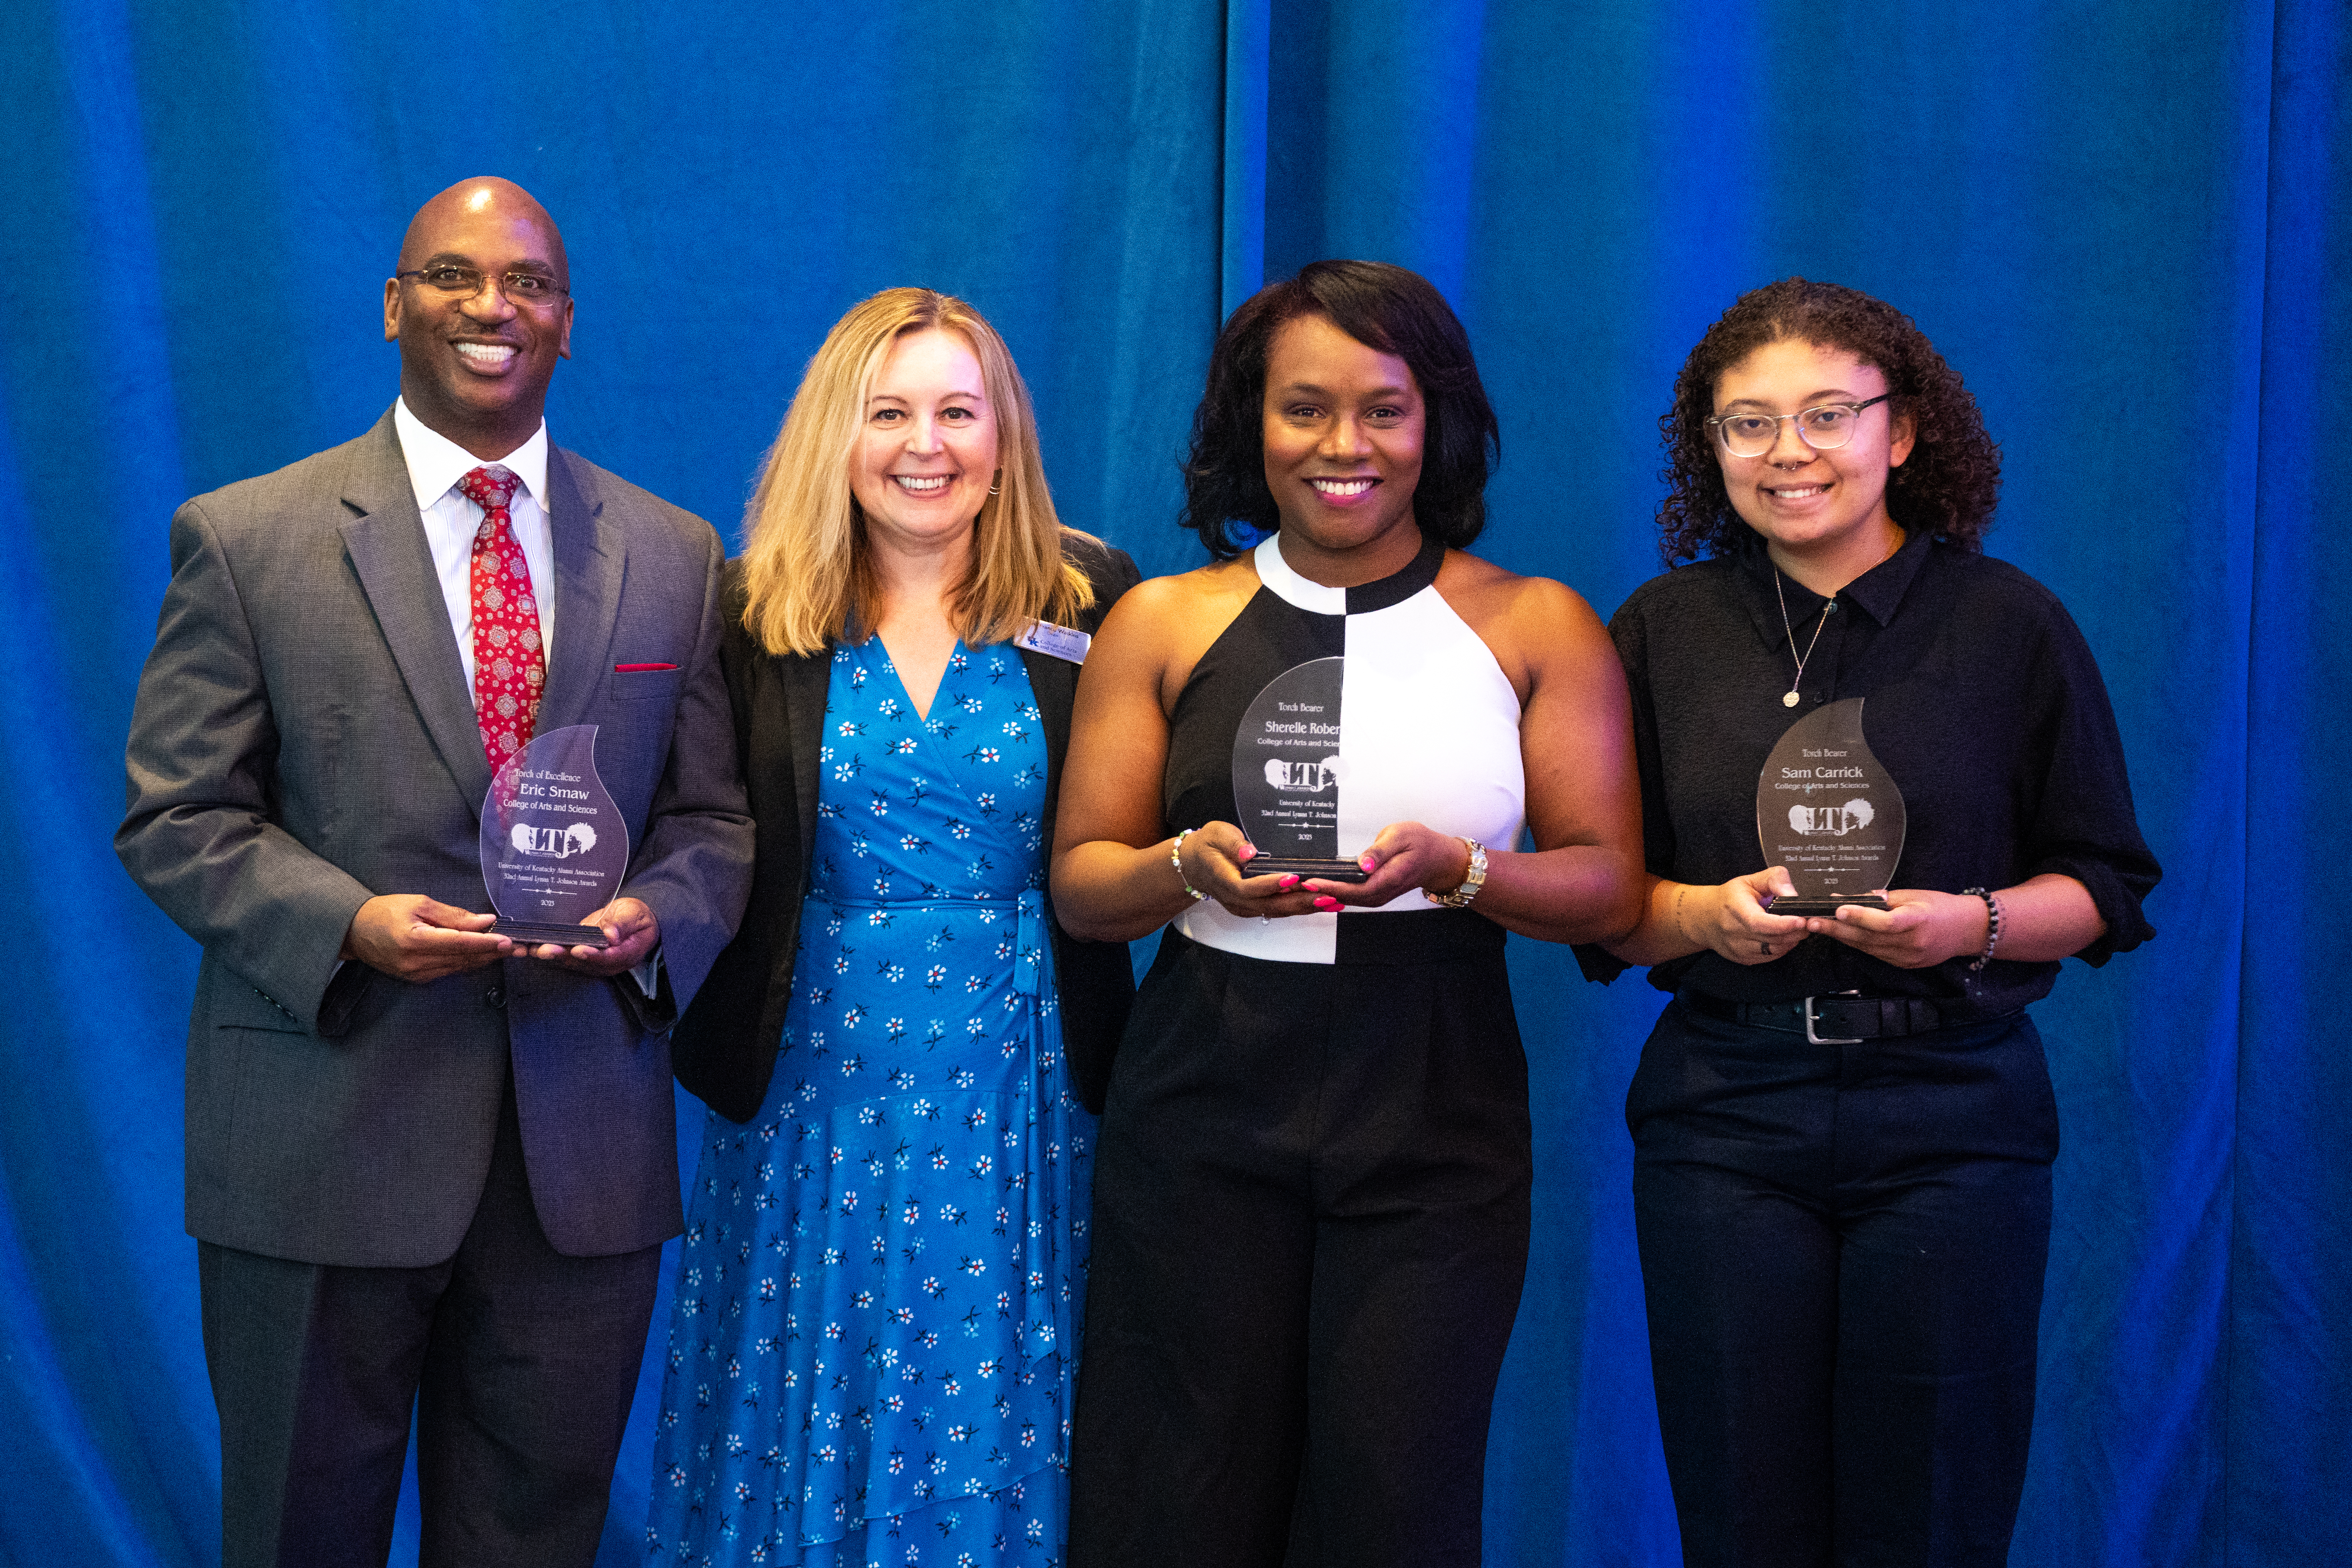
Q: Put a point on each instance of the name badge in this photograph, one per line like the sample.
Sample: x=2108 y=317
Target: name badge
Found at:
x=1055 y=642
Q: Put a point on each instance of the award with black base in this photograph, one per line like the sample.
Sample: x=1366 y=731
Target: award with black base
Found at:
x=1287 y=774
x=1828 y=812
x=554 y=843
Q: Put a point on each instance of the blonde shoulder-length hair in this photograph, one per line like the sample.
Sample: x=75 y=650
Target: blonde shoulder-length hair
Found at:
x=807 y=568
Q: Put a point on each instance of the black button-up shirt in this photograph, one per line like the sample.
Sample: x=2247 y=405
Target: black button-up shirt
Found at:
x=1982 y=701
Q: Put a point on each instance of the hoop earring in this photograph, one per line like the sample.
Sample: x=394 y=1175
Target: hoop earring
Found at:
x=995 y=481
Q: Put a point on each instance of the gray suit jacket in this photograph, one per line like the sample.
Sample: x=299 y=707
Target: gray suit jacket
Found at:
x=303 y=740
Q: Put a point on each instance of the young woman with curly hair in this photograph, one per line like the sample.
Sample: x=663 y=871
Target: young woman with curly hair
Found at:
x=1843 y=1123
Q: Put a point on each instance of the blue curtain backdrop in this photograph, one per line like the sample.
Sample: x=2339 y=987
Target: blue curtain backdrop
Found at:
x=2124 y=220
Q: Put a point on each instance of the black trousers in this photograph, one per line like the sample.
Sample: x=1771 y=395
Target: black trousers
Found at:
x=1310 y=1230
x=1843 y=1249
x=518 y=1361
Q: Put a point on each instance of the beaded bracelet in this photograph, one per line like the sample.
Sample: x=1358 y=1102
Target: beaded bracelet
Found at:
x=1176 y=859
x=1992 y=926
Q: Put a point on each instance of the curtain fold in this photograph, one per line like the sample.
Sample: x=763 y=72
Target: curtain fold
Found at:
x=2283 y=1439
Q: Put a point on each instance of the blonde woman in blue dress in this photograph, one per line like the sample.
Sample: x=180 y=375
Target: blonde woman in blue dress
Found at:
x=878 y=1305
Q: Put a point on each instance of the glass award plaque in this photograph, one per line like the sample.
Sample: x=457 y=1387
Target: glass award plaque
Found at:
x=554 y=843
x=1826 y=810
x=1287 y=774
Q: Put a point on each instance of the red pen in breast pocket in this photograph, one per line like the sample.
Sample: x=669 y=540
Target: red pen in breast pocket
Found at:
x=639 y=668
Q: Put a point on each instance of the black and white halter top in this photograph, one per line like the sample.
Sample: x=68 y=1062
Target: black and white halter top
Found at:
x=1431 y=734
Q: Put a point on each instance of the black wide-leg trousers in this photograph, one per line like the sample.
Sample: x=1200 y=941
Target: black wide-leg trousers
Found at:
x=519 y=1362
x=1310 y=1225
x=1843 y=1249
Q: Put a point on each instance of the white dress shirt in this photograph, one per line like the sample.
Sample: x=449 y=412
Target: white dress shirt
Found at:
x=435 y=464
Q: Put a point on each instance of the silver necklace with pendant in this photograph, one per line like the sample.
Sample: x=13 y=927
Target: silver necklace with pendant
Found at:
x=1789 y=698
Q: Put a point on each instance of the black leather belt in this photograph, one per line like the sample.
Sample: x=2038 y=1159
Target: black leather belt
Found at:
x=1842 y=1019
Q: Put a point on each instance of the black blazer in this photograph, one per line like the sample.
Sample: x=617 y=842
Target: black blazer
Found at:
x=725 y=1046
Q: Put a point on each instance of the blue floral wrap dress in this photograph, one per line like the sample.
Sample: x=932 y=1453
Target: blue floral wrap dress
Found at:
x=873 y=1343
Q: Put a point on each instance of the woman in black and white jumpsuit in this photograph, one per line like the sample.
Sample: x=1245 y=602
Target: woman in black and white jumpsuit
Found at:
x=1311 y=1195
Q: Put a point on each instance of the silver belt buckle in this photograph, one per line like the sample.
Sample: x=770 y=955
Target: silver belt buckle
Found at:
x=1815 y=1039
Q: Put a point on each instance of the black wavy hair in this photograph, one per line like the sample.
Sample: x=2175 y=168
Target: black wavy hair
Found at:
x=1382 y=307
x=1949 y=485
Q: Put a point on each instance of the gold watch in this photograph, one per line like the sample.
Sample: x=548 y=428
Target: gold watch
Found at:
x=1459 y=898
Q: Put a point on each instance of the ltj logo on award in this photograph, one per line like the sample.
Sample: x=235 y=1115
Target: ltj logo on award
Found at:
x=1303 y=778
x=1841 y=820
x=552 y=843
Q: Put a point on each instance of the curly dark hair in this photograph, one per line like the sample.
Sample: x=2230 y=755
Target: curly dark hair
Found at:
x=1385 y=308
x=1948 y=486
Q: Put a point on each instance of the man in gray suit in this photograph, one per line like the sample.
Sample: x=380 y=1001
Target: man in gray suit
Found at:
x=427 y=1169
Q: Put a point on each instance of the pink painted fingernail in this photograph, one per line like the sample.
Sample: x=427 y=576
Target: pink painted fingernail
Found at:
x=1327 y=903
x=1290 y=879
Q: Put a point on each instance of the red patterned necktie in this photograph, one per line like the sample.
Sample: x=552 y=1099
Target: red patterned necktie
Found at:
x=510 y=666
